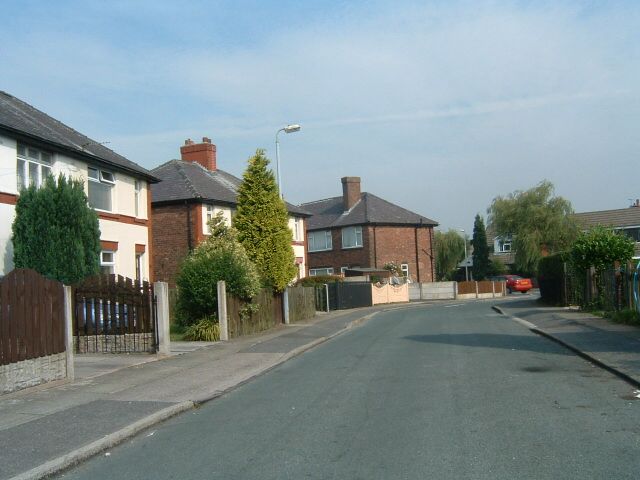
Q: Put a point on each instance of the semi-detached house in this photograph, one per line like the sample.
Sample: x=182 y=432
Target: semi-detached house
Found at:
x=34 y=145
x=193 y=190
x=360 y=230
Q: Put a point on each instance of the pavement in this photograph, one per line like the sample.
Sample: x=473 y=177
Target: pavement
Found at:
x=44 y=430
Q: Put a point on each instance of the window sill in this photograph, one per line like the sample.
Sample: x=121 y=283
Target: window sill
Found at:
x=353 y=248
x=323 y=250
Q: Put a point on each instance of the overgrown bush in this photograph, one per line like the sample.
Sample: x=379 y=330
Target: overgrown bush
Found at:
x=220 y=257
x=205 y=330
x=318 y=280
x=627 y=317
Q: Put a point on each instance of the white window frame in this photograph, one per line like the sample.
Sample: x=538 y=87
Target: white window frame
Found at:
x=297 y=229
x=136 y=197
x=28 y=157
x=313 y=272
x=102 y=177
x=501 y=243
x=357 y=236
x=328 y=241
x=108 y=264
x=404 y=268
x=139 y=266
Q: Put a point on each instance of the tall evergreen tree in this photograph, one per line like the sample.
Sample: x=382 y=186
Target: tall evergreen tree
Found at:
x=55 y=232
x=262 y=222
x=481 y=263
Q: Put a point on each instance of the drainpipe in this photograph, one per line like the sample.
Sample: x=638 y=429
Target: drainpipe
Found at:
x=417 y=259
x=189 y=235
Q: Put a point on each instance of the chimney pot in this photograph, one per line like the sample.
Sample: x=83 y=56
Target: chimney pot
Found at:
x=202 y=153
x=350 y=192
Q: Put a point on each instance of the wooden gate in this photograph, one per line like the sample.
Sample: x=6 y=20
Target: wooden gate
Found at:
x=114 y=314
x=32 y=319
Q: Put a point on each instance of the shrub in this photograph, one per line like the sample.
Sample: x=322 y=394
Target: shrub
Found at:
x=627 y=317
x=220 y=257
x=205 y=330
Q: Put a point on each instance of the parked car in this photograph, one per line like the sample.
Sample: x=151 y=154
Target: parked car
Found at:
x=515 y=283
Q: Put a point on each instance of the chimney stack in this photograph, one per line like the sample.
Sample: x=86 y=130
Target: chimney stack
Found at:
x=203 y=153
x=350 y=192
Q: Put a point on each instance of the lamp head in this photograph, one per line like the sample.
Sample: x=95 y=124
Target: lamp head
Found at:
x=291 y=128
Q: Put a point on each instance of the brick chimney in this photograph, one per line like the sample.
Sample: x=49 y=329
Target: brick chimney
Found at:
x=350 y=191
x=203 y=153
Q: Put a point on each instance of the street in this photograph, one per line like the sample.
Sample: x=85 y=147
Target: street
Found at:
x=446 y=392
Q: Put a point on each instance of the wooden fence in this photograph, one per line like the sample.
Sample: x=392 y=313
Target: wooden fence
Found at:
x=32 y=321
x=465 y=288
x=114 y=314
x=302 y=303
x=267 y=313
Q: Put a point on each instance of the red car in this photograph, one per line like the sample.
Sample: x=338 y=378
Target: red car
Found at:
x=515 y=283
x=518 y=284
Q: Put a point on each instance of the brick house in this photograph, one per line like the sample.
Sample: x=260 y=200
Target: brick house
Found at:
x=34 y=145
x=362 y=230
x=192 y=191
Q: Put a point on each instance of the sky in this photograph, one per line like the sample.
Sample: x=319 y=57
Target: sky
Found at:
x=439 y=106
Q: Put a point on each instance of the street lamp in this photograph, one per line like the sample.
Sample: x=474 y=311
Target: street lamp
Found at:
x=288 y=129
x=466 y=264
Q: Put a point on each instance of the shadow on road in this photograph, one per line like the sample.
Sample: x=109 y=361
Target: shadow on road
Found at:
x=492 y=340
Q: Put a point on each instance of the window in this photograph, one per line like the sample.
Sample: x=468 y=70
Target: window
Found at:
x=404 y=268
x=107 y=262
x=297 y=229
x=33 y=166
x=139 y=266
x=319 y=241
x=320 y=271
x=632 y=233
x=503 y=245
x=136 y=197
x=351 y=237
x=100 y=185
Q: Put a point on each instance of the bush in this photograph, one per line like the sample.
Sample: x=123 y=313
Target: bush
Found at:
x=220 y=257
x=206 y=330
x=318 y=280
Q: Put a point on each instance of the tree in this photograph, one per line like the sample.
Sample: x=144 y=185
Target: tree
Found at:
x=449 y=248
x=262 y=222
x=219 y=257
x=55 y=232
x=538 y=222
x=481 y=263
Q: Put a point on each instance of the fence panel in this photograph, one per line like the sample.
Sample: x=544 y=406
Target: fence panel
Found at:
x=266 y=313
x=31 y=316
x=485 y=286
x=302 y=304
x=114 y=314
x=465 y=288
x=349 y=295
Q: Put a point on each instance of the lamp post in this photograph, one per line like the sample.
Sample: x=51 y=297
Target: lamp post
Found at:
x=466 y=267
x=288 y=129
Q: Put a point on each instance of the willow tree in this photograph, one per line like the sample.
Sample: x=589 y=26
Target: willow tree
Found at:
x=449 y=249
x=538 y=222
x=262 y=222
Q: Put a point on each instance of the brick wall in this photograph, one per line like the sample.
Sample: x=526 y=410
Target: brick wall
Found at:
x=383 y=244
x=173 y=236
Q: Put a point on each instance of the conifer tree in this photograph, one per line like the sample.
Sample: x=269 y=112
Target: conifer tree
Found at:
x=262 y=222
x=55 y=232
x=481 y=263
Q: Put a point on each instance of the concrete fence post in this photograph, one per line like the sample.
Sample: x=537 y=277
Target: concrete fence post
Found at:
x=68 y=331
x=161 y=291
x=285 y=305
x=222 y=311
x=476 y=289
x=455 y=290
x=493 y=289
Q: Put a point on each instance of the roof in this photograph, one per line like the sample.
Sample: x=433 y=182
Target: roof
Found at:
x=620 y=218
x=188 y=181
x=20 y=118
x=369 y=210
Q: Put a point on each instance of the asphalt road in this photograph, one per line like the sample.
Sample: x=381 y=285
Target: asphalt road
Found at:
x=455 y=392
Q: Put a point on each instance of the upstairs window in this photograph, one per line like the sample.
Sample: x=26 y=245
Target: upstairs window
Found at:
x=100 y=186
x=319 y=241
x=352 y=237
x=33 y=166
x=136 y=197
x=297 y=229
x=503 y=245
